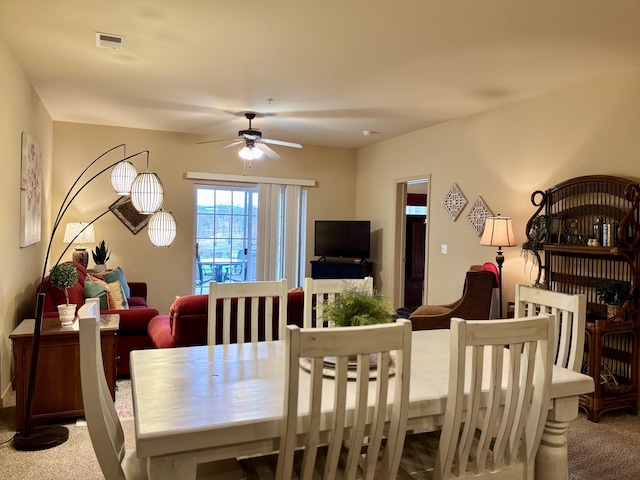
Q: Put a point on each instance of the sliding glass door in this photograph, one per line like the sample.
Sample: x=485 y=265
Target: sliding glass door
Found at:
x=226 y=235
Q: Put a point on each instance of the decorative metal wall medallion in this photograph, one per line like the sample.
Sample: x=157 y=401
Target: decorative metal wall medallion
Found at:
x=478 y=214
x=454 y=202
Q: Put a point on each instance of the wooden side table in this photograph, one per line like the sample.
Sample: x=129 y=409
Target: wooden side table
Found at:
x=58 y=392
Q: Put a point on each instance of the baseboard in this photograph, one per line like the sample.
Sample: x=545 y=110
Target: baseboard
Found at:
x=4 y=399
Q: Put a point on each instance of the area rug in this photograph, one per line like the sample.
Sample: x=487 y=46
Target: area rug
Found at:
x=124 y=403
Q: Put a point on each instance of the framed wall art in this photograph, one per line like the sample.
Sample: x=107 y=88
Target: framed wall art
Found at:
x=127 y=213
x=478 y=215
x=30 y=192
x=454 y=202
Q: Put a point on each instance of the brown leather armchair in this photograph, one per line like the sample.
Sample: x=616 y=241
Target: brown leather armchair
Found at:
x=474 y=304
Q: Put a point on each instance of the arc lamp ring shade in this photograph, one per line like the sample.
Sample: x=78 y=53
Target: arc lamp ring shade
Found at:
x=122 y=177
x=162 y=229
x=147 y=193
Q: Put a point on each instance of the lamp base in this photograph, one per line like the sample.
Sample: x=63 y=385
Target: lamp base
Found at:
x=41 y=438
x=81 y=256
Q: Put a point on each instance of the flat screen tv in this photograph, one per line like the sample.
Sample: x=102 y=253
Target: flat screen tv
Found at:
x=343 y=238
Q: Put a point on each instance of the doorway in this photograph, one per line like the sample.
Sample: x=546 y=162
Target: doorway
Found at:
x=412 y=236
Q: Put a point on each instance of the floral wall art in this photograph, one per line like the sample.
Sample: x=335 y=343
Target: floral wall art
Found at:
x=30 y=192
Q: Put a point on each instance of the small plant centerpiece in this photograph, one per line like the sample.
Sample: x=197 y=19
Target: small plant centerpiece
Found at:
x=614 y=294
x=100 y=256
x=356 y=306
x=63 y=276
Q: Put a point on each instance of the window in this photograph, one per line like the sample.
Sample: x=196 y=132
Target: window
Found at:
x=249 y=233
x=226 y=235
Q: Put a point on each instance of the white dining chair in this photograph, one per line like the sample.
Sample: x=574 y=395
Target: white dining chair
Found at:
x=105 y=429
x=311 y=443
x=570 y=312
x=246 y=295
x=504 y=446
x=320 y=291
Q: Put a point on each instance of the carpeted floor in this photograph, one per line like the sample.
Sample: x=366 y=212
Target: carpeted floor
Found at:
x=608 y=450
x=73 y=460
x=597 y=451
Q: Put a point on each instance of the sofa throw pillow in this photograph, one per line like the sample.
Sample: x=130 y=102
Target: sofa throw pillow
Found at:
x=97 y=279
x=95 y=290
x=118 y=295
x=118 y=274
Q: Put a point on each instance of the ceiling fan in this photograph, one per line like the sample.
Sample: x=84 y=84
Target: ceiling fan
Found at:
x=255 y=145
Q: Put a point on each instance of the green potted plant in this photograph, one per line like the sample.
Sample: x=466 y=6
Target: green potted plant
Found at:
x=538 y=232
x=614 y=294
x=356 y=306
x=63 y=276
x=100 y=256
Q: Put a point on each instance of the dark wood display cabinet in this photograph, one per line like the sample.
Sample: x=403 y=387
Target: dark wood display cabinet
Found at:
x=580 y=211
x=58 y=391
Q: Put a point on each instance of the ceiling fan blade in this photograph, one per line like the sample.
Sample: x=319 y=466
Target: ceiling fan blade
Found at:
x=213 y=141
x=268 y=151
x=233 y=144
x=280 y=142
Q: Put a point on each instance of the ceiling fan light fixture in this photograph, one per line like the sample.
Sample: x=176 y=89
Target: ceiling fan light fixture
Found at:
x=250 y=153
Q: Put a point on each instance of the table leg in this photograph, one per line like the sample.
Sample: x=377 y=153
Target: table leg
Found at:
x=172 y=467
x=552 y=462
x=185 y=466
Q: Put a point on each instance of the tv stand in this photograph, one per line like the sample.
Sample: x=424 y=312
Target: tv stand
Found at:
x=323 y=268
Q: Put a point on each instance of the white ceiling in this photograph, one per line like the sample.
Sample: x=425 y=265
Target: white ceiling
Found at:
x=332 y=68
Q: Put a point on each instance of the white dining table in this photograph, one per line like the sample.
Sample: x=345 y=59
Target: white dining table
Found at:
x=199 y=404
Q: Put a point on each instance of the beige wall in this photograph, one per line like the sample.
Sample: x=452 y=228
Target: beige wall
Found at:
x=21 y=111
x=503 y=156
x=168 y=272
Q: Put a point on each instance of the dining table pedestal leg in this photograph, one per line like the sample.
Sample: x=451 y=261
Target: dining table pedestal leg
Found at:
x=551 y=459
x=172 y=467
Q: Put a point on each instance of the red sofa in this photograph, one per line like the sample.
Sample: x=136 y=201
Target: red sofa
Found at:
x=132 y=334
x=186 y=323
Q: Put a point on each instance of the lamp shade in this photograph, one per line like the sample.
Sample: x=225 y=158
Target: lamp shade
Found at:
x=78 y=232
x=162 y=229
x=147 y=193
x=122 y=176
x=251 y=153
x=498 y=232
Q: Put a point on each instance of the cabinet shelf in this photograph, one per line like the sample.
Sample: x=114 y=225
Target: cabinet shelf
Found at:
x=585 y=250
x=579 y=207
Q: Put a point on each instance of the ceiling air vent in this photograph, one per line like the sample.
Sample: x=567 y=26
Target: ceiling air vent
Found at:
x=106 y=40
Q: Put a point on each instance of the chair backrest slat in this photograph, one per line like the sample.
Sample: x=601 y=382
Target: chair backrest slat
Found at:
x=519 y=374
x=233 y=319
x=372 y=410
x=570 y=313
x=319 y=292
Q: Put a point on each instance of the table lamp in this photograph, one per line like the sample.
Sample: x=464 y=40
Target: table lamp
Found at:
x=80 y=233
x=498 y=232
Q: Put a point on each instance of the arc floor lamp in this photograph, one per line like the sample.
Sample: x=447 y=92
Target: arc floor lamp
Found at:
x=147 y=196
